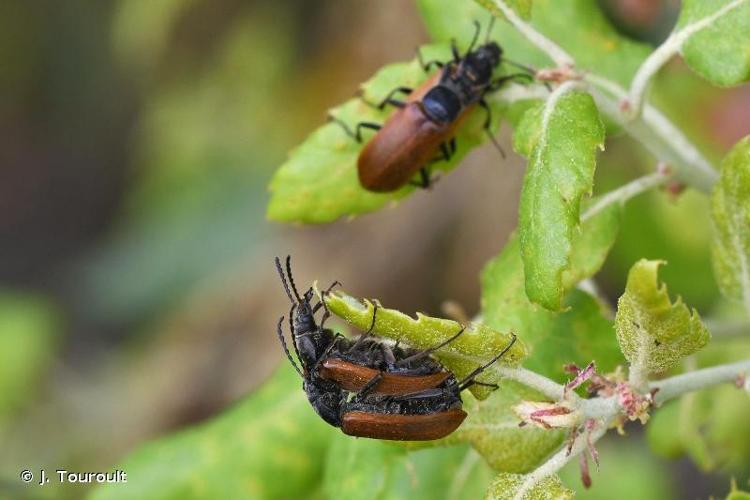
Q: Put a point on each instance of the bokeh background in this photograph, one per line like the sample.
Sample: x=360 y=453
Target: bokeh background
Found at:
x=137 y=138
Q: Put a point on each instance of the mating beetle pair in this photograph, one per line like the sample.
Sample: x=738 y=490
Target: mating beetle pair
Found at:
x=367 y=387
x=422 y=129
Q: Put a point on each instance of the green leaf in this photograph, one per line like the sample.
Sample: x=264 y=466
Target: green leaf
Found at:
x=476 y=345
x=561 y=139
x=521 y=7
x=654 y=333
x=580 y=334
x=319 y=183
x=730 y=210
x=506 y=486
x=492 y=428
x=360 y=469
x=268 y=446
x=720 y=52
x=28 y=338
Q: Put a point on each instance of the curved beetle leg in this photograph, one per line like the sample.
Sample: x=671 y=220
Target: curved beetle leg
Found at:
x=355 y=134
x=486 y=126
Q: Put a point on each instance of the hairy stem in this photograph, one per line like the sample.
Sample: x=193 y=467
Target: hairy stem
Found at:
x=554 y=51
x=626 y=192
x=657 y=134
x=665 y=52
x=559 y=459
x=693 y=381
x=533 y=380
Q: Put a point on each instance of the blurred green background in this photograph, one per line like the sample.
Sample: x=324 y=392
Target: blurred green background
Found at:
x=137 y=291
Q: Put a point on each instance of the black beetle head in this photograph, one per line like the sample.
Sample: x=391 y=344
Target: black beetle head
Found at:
x=484 y=60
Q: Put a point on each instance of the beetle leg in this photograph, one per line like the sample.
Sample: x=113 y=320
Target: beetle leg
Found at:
x=322 y=302
x=487 y=123
x=484 y=384
x=424 y=181
x=390 y=100
x=427 y=66
x=372 y=327
x=429 y=351
x=497 y=84
x=280 y=333
x=368 y=387
x=469 y=380
x=356 y=134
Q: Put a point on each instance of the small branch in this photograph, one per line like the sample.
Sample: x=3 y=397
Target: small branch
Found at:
x=559 y=459
x=671 y=46
x=554 y=51
x=546 y=386
x=693 y=381
x=657 y=134
x=626 y=192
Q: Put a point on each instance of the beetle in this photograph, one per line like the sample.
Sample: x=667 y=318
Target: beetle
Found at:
x=422 y=130
x=330 y=356
x=420 y=416
x=408 y=412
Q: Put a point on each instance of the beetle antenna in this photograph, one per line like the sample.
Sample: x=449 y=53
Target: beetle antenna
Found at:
x=477 y=29
x=294 y=333
x=429 y=351
x=291 y=280
x=286 y=349
x=489 y=28
x=283 y=279
x=469 y=380
x=529 y=69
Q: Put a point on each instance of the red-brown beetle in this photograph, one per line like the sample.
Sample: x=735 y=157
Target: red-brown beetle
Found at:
x=423 y=129
x=409 y=399
x=422 y=416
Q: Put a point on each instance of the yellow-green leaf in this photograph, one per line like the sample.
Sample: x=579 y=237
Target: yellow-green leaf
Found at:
x=477 y=344
x=730 y=210
x=506 y=487
x=521 y=7
x=492 y=428
x=561 y=139
x=654 y=333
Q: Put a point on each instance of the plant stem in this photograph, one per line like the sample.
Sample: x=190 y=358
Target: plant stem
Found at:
x=554 y=51
x=546 y=386
x=559 y=459
x=693 y=381
x=665 y=52
x=665 y=141
x=626 y=192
